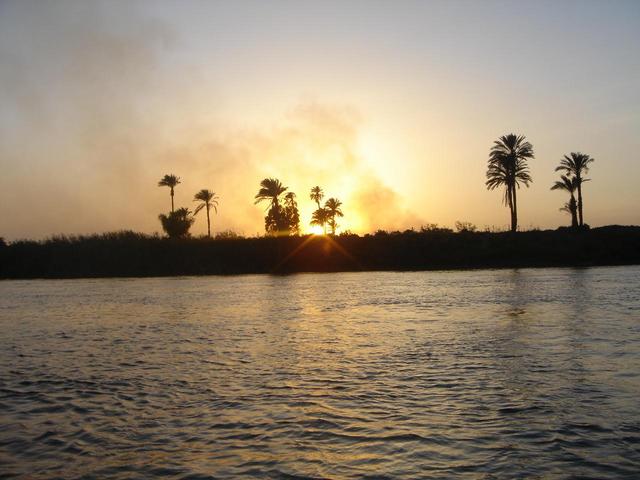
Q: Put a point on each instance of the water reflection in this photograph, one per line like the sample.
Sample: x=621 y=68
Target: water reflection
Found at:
x=524 y=373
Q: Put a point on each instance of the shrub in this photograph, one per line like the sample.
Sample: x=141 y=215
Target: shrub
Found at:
x=465 y=227
x=178 y=223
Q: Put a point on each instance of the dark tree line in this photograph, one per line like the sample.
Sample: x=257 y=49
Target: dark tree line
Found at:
x=135 y=254
x=507 y=168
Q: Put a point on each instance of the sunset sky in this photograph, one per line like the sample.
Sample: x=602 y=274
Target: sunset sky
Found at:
x=391 y=106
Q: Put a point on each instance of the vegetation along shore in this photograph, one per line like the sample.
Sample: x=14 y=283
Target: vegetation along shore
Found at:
x=285 y=248
x=122 y=254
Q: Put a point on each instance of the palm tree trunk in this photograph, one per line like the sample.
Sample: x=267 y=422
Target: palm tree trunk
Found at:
x=324 y=225
x=580 y=201
x=171 y=199
x=514 y=210
x=208 y=223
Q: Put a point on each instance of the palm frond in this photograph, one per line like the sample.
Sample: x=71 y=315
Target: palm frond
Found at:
x=169 y=180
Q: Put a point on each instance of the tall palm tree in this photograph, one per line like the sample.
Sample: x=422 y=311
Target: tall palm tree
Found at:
x=576 y=164
x=569 y=185
x=169 y=181
x=508 y=167
x=316 y=195
x=208 y=200
x=270 y=190
x=332 y=207
x=318 y=217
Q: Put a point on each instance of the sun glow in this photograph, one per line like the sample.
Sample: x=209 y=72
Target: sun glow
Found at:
x=316 y=230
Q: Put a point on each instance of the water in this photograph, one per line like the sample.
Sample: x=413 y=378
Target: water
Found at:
x=476 y=374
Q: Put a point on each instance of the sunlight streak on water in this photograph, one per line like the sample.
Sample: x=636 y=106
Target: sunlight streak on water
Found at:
x=510 y=373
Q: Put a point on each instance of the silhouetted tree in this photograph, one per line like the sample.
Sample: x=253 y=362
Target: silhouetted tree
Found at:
x=571 y=207
x=169 y=181
x=318 y=217
x=270 y=190
x=316 y=195
x=576 y=164
x=332 y=207
x=568 y=184
x=291 y=213
x=178 y=223
x=508 y=167
x=208 y=200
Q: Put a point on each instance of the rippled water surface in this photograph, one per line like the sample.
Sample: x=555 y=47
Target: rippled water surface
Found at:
x=478 y=374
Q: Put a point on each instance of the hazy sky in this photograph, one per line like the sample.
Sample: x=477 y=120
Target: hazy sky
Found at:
x=391 y=106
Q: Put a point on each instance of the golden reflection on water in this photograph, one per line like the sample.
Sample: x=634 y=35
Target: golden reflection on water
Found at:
x=332 y=375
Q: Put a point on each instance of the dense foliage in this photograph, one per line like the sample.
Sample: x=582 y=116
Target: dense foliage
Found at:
x=134 y=254
x=177 y=224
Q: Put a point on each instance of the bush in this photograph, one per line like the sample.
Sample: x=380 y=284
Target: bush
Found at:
x=178 y=223
x=228 y=235
x=465 y=227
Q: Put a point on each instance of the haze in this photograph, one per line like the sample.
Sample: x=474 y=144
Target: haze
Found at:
x=390 y=106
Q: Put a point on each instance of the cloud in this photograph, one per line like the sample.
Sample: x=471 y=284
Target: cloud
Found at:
x=95 y=113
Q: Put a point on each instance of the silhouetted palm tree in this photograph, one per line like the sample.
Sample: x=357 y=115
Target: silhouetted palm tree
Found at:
x=508 y=167
x=316 y=195
x=569 y=185
x=270 y=190
x=177 y=223
x=571 y=207
x=291 y=213
x=208 y=200
x=169 y=181
x=319 y=217
x=575 y=164
x=332 y=207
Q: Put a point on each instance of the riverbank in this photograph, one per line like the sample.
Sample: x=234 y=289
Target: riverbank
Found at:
x=130 y=254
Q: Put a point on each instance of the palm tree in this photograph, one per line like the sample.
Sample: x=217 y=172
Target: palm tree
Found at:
x=571 y=207
x=177 y=223
x=319 y=217
x=169 y=181
x=508 y=167
x=569 y=185
x=316 y=195
x=270 y=190
x=208 y=199
x=332 y=207
x=291 y=213
x=575 y=164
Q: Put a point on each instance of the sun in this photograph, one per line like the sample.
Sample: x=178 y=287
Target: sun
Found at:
x=316 y=230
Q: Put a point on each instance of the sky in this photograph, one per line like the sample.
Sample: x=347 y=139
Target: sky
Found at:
x=390 y=106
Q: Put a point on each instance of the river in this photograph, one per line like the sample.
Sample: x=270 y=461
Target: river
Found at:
x=461 y=374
